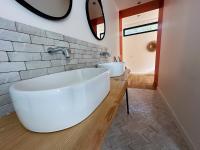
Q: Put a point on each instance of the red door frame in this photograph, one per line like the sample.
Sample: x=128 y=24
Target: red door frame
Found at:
x=156 y=4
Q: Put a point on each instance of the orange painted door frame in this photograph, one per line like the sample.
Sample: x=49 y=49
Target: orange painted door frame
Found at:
x=156 y=4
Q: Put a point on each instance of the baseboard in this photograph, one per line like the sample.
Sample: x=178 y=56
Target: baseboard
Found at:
x=178 y=123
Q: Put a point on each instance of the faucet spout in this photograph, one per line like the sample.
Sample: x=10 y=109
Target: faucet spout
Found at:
x=64 y=51
x=105 y=54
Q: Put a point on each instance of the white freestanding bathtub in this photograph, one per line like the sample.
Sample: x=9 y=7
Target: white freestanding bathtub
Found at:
x=59 y=101
x=116 y=68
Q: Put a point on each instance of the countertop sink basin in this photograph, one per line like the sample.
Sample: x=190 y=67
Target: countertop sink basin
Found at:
x=115 y=68
x=59 y=101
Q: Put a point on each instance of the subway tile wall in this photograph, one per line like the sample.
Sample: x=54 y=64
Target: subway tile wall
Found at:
x=23 y=55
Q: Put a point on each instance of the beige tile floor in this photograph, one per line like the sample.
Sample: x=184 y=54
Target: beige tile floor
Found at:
x=149 y=126
x=141 y=81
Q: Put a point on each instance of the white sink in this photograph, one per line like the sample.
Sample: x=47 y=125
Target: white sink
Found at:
x=115 y=68
x=59 y=101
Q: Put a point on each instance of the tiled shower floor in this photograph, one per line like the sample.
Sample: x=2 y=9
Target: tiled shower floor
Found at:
x=149 y=126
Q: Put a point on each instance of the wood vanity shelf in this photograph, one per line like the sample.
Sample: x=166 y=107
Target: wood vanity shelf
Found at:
x=88 y=135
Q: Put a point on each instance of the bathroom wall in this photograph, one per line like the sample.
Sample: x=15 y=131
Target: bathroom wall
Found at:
x=138 y=59
x=23 y=55
x=179 y=76
x=75 y=25
x=135 y=52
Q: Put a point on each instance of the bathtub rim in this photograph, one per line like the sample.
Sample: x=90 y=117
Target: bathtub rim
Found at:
x=110 y=63
x=14 y=89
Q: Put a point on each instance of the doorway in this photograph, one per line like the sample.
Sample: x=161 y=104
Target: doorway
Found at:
x=140 y=40
x=139 y=47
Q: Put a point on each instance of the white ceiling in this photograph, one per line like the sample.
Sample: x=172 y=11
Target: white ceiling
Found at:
x=123 y=4
x=143 y=18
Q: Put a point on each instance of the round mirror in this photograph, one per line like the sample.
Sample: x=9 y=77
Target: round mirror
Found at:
x=96 y=18
x=50 y=9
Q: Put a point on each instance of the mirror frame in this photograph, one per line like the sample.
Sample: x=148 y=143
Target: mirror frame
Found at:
x=41 y=14
x=88 y=18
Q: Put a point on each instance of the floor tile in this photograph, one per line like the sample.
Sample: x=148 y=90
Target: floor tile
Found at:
x=149 y=126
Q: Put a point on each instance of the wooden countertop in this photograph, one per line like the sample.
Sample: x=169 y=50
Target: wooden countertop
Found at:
x=88 y=135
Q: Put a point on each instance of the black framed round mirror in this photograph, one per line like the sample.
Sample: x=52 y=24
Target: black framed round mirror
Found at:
x=96 y=19
x=49 y=9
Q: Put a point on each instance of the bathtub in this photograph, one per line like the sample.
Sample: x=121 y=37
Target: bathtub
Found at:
x=55 y=102
x=116 y=68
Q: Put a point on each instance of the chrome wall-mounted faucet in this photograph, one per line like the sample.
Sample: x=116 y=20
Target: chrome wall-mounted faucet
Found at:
x=65 y=51
x=115 y=59
x=105 y=54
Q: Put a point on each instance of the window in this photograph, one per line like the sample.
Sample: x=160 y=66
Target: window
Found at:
x=141 y=29
x=102 y=35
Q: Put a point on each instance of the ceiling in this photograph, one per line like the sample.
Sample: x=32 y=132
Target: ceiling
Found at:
x=123 y=4
x=140 y=19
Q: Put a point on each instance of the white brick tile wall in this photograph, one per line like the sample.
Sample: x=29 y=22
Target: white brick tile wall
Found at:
x=7 y=24
x=3 y=56
x=4 y=99
x=41 y=40
x=47 y=56
x=61 y=43
x=33 y=73
x=9 y=77
x=12 y=66
x=29 y=29
x=54 y=35
x=37 y=64
x=74 y=61
x=55 y=63
x=75 y=46
x=14 y=36
x=4 y=88
x=56 y=69
x=78 y=56
x=26 y=47
x=6 y=109
x=23 y=55
x=5 y=46
x=70 y=39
